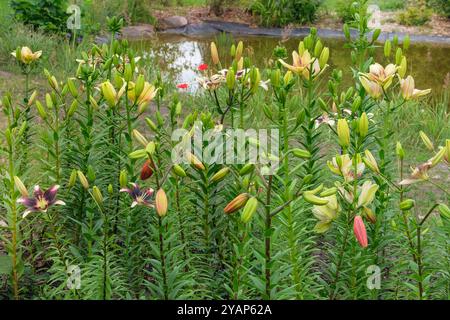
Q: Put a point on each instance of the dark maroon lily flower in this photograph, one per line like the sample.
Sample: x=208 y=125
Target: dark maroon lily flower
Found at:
x=140 y=197
x=40 y=201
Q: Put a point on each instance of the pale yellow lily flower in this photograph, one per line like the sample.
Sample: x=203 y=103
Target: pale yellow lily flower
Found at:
x=409 y=91
x=326 y=214
x=343 y=166
x=367 y=193
x=304 y=64
x=27 y=56
x=382 y=76
x=373 y=88
x=419 y=173
x=110 y=94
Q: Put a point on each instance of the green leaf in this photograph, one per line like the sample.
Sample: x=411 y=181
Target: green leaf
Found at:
x=5 y=264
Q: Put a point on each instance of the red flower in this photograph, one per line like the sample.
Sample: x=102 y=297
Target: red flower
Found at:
x=182 y=86
x=147 y=170
x=203 y=67
x=360 y=231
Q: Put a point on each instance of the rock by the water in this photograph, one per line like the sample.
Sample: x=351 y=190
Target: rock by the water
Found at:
x=143 y=31
x=172 y=22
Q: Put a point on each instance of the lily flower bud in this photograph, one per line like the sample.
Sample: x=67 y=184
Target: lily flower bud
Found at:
x=363 y=125
x=83 y=180
x=161 y=203
x=20 y=186
x=220 y=175
x=123 y=178
x=360 y=231
x=214 y=53
x=249 y=210
x=97 y=195
x=343 y=132
x=406 y=204
x=236 y=204
x=426 y=141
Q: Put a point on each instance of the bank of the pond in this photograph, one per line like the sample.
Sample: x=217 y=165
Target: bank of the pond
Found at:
x=211 y=28
x=180 y=51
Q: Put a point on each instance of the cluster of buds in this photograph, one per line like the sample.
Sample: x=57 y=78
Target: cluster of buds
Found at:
x=239 y=72
x=311 y=59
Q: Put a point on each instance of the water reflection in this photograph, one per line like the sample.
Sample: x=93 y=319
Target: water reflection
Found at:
x=180 y=57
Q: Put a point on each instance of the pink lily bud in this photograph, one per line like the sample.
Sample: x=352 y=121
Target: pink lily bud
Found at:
x=360 y=231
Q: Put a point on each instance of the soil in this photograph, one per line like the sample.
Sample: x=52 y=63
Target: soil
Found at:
x=437 y=26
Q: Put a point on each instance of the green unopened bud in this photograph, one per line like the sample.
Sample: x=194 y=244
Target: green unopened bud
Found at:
x=313 y=199
x=220 y=175
x=20 y=186
x=72 y=178
x=140 y=138
x=318 y=48
x=32 y=98
x=93 y=102
x=399 y=151
x=438 y=157
x=406 y=204
x=231 y=79
x=343 y=132
x=444 y=211
x=72 y=88
x=233 y=51
x=300 y=153
x=110 y=189
x=97 y=195
x=246 y=169
x=128 y=73
x=179 y=171
x=324 y=56
x=123 y=178
x=406 y=42
x=41 y=110
x=426 y=141
x=73 y=108
x=376 y=34
x=403 y=67
x=150 y=148
x=151 y=124
x=328 y=192
x=239 y=50
x=363 y=125
x=301 y=48
x=387 y=48
x=249 y=210
x=138 y=154
x=287 y=77
x=83 y=180
x=49 y=101
x=139 y=86
x=398 y=56
x=346 y=30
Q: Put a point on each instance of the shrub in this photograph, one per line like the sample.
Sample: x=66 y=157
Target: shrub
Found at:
x=441 y=6
x=49 y=15
x=417 y=14
x=283 y=12
x=346 y=8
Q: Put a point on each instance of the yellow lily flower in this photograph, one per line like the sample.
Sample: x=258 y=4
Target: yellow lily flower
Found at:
x=373 y=88
x=326 y=214
x=304 y=64
x=367 y=194
x=27 y=56
x=343 y=166
x=409 y=91
x=110 y=94
x=382 y=76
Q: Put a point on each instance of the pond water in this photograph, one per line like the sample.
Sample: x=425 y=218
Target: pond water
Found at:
x=428 y=63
